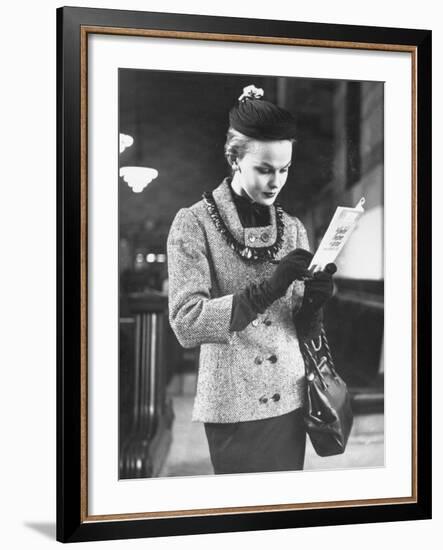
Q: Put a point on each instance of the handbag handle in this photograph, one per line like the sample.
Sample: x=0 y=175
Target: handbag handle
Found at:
x=319 y=343
x=316 y=366
x=322 y=340
x=328 y=353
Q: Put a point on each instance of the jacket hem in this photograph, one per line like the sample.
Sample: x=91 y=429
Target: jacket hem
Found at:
x=234 y=419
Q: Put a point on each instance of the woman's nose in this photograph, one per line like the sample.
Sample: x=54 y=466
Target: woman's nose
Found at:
x=274 y=182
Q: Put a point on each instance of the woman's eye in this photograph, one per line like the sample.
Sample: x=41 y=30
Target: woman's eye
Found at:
x=269 y=171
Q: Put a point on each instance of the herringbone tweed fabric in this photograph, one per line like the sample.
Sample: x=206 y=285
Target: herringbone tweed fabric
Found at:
x=247 y=375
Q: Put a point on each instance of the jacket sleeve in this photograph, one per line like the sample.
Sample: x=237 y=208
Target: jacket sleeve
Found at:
x=298 y=288
x=302 y=235
x=308 y=322
x=195 y=316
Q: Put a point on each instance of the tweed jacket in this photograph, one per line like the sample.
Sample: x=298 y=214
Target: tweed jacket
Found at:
x=250 y=374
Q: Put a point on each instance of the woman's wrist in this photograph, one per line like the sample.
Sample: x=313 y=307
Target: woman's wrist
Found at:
x=242 y=312
x=249 y=302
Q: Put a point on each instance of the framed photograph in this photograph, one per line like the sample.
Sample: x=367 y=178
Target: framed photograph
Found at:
x=244 y=269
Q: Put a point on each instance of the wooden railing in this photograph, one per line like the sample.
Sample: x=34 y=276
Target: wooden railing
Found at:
x=145 y=444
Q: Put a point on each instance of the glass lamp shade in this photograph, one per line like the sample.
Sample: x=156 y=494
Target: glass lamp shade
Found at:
x=138 y=177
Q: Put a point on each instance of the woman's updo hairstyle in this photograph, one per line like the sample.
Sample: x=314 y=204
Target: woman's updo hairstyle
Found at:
x=254 y=118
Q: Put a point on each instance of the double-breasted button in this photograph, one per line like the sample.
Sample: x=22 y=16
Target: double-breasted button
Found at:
x=265 y=237
x=272 y=358
x=258 y=360
x=268 y=322
x=252 y=238
x=263 y=399
x=254 y=323
x=276 y=397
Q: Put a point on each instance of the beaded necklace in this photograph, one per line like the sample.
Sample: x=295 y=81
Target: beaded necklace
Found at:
x=246 y=252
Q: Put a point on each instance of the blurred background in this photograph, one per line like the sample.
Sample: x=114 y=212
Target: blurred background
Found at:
x=172 y=131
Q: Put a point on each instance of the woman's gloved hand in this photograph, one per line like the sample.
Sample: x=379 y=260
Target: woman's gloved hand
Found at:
x=319 y=289
x=291 y=267
x=308 y=319
x=257 y=297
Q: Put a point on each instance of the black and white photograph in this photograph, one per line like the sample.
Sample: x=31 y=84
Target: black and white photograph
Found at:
x=217 y=275
x=243 y=264
x=251 y=274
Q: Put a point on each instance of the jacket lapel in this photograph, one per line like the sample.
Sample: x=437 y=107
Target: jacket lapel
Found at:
x=253 y=237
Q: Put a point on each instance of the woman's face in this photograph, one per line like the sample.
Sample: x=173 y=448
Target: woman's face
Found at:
x=263 y=170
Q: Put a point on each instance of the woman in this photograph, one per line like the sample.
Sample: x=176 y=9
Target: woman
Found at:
x=237 y=264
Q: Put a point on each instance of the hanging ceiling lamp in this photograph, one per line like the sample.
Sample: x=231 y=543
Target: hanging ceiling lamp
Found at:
x=125 y=142
x=138 y=177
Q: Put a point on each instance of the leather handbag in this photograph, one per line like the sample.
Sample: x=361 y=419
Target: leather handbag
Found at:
x=328 y=415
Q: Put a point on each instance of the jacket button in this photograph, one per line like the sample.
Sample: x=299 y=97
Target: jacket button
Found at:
x=265 y=237
x=272 y=359
x=251 y=238
x=276 y=397
x=258 y=360
x=263 y=399
x=254 y=323
x=268 y=322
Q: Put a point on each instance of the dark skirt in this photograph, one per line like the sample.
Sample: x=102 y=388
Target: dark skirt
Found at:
x=269 y=445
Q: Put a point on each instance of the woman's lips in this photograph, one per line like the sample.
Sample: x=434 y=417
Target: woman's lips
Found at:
x=269 y=195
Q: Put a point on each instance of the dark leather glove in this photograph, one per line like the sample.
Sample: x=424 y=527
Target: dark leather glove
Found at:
x=257 y=297
x=291 y=267
x=319 y=289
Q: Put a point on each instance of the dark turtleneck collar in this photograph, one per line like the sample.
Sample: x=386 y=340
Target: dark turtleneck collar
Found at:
x=251 y=213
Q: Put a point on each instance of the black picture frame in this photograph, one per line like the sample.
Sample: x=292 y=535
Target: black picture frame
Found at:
x=73 y=24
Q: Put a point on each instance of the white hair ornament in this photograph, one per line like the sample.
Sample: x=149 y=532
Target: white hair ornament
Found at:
x=251 y=92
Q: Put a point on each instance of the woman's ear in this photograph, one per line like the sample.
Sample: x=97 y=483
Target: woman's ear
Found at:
x=233 y=163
